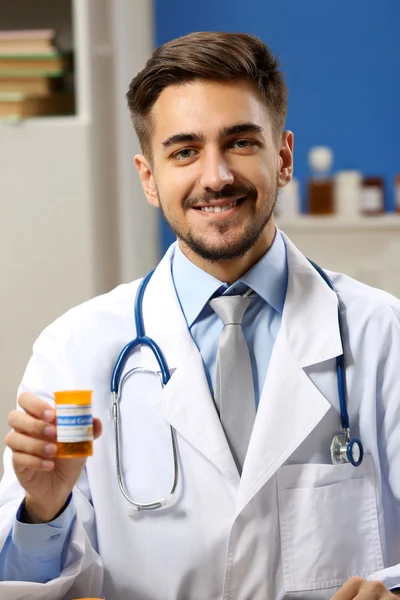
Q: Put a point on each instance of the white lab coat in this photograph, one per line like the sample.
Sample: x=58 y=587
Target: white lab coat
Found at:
x=294 y=526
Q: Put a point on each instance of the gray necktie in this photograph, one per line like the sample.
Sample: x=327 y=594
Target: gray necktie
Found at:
x=234 y=387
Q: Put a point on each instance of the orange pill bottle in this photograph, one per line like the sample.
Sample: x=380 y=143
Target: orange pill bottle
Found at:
x=74 y=423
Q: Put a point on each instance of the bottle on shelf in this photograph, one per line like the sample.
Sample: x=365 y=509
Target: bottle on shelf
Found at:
x=397 y=193
x=320 y=185
x=347 y=193
x=288 y=205
x=373 y=196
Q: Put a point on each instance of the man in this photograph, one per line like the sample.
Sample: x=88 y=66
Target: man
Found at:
x=249 y=331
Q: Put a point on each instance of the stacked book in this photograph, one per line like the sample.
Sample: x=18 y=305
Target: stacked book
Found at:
x=34 y=75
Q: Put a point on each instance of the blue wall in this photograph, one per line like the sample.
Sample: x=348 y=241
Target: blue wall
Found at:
x=342 y=65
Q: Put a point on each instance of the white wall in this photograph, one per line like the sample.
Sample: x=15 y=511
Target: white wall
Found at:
x=73 y=213
x=137 y=222
x=46 y=261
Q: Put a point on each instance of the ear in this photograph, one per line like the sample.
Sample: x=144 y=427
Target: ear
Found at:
x=285 y=158
x=147 y=180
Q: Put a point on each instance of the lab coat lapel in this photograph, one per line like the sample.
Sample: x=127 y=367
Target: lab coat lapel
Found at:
x=185 y=402
x=291 y=406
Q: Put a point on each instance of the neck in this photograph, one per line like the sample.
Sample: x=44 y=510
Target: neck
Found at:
x=229 y=271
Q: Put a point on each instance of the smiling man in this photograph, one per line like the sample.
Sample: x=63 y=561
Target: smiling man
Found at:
x=214 y=163
x=253 y=500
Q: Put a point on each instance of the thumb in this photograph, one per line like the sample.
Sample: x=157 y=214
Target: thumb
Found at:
x=97 y=428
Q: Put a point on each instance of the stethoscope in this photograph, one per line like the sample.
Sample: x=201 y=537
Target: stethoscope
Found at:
x=344 y=448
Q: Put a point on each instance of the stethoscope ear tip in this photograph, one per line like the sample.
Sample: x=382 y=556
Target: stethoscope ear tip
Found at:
x=133 y=511
x=169 y=500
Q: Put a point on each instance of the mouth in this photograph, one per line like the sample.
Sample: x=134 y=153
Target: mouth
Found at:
x=222 y=207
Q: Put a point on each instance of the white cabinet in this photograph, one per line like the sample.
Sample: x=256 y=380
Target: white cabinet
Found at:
x=68 y=189
x=367 y=248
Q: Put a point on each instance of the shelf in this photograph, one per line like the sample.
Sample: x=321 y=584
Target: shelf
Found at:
x=306 y=223
x=71 y=21
x=53 y=121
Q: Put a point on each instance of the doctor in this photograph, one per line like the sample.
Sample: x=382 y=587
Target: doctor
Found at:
x=259 y=511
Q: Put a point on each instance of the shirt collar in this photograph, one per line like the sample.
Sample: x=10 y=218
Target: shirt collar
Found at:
x=268 y=278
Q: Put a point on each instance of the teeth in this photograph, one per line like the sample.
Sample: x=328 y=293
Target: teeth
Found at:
x=218 y=209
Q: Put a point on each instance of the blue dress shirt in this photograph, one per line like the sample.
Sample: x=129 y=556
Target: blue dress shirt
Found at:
x=261 y=321
x=36 y=553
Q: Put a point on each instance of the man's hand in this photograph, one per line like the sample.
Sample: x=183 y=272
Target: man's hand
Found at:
x=363 y=590
x=47 y=480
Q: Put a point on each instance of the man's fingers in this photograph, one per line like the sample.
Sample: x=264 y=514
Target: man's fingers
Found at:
x=18 y=442
x=37 y=428
x=349 y=590
x=357 y=588
x=374 y=590
x=36 y=408
x=38 y=420
x=28 y=425
x=23 y=461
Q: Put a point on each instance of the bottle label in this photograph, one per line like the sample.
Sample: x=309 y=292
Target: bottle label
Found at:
x=74 y=423
x=372 y=198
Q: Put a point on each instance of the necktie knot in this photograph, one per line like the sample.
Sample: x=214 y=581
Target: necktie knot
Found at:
x=230 y=309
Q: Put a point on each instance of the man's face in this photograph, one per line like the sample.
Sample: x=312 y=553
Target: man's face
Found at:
x=215 y=167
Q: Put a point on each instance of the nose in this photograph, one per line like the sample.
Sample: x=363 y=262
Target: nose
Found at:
x=216 y=172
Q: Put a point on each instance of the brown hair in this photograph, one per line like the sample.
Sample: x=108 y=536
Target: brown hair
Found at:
x=216 y=56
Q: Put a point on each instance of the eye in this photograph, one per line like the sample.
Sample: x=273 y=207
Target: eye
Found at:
x=184 y=154
x=244 y=144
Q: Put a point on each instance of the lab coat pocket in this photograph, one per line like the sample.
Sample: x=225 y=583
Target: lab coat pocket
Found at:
x=328 y=524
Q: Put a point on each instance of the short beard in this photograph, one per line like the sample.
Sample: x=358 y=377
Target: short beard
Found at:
x=230 y=251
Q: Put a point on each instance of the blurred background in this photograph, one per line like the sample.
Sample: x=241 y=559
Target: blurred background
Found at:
x=74 y=219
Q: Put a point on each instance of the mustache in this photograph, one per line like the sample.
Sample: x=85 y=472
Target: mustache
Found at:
x=228 y=191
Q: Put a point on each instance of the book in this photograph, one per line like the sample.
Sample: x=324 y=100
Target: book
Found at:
x=55 y=63
x=22 y=47
x=39 y=41
x=29 y=73
x=27 y=34
x=31 y=86
x=19 y=106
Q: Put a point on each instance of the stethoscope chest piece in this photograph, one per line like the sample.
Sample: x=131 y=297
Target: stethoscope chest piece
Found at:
x=345 y=450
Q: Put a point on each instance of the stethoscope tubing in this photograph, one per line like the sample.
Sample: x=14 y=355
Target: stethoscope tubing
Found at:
x=141 y=339
x=340 y=366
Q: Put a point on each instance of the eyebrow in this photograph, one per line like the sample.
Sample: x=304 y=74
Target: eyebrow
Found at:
x=183 y=138
x=240 y=128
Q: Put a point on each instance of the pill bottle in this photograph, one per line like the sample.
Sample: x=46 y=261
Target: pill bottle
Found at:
x=320 y=199
x=74 y=423
x=347 y=193
x=373 y=196
x=288 y=205
x=397 y=193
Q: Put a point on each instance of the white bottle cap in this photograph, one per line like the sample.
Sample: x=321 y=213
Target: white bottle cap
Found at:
x=320 y=159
